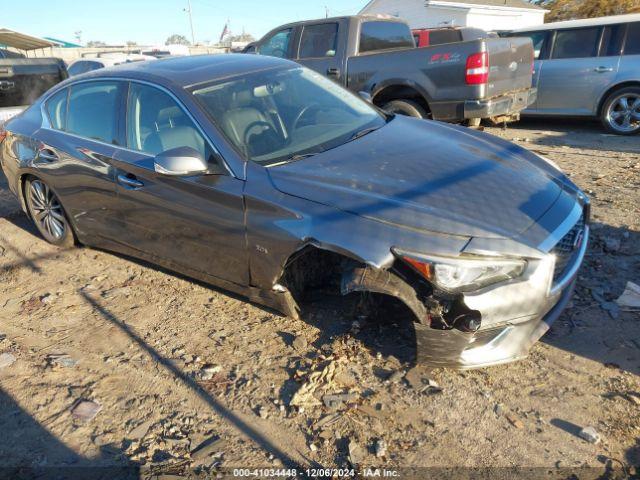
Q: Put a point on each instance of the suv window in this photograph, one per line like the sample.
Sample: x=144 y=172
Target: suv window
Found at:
x=277 y=45
x=576 y=43
x=156 y=123
x=92 y=110
x=319 y=41
x=384 y=36
x=438 y=37
x=632 y=45
x=537 y=38
x=611 y=44
x=57 y=109
x=84 y=66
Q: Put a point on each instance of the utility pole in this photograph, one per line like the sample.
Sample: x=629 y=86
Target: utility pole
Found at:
x=326 y=12
x=188 y=10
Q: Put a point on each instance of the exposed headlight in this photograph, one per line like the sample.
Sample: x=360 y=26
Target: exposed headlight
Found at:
x=465 y=273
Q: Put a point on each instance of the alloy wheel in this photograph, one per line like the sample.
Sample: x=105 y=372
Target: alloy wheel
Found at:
x=47 y=211
x=623 y=114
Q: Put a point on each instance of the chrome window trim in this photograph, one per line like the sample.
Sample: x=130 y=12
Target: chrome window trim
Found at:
x=47 y=123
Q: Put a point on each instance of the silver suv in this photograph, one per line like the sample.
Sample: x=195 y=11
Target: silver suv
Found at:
x=589 y=68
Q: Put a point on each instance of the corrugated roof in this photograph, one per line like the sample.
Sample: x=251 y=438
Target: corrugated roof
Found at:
x=497 y=3
x=22 y=41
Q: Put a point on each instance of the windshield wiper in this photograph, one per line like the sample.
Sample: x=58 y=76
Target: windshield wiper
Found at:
x=362 y=133
x=294 y=158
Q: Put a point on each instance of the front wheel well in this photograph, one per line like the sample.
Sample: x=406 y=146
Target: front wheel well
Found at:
x=612 y=90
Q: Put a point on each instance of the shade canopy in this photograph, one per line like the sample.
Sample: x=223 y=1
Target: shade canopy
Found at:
x=22 y=41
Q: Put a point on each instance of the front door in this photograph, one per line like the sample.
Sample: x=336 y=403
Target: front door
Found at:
x=576 y=74
x=191 y=223
x=320 y=50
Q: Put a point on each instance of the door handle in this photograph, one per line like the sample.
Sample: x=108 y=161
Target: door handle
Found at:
x=129 y=181
x=47 y=155
x=333 y=72
x=603 y=69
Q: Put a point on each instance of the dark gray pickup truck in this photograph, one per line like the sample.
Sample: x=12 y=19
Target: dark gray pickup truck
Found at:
x=483 y=78
x=23 y=80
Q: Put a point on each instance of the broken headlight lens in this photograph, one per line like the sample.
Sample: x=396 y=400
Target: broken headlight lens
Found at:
x=465 y=273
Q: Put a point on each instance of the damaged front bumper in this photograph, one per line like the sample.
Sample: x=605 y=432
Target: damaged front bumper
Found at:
x=492 y=346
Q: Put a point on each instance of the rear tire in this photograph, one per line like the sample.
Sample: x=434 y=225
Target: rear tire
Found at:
x=47 y=214
x=621 y=111
x=408 y=108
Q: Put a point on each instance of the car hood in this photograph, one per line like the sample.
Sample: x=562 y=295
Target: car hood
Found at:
x=428 y=176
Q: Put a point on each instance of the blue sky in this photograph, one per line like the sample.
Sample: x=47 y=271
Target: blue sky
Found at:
x=152 y=21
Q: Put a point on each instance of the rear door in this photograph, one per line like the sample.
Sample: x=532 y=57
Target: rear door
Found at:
x=579 y=69
x=321 y=48
x=185 y=222
x=77 y=149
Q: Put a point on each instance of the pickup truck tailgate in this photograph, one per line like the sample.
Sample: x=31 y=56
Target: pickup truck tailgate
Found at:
x=510 y=64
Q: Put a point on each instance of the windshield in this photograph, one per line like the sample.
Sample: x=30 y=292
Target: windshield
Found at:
x=276 y=116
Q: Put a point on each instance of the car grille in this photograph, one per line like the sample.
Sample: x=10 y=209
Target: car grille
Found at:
x=566 y=249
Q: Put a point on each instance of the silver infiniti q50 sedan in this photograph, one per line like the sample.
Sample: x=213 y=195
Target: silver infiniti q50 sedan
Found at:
x=264 y=178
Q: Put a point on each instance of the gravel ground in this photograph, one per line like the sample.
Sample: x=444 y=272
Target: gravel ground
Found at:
x=185 y=378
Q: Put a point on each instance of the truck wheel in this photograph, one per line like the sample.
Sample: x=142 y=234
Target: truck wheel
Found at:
x=621 y=111
x=406 y=107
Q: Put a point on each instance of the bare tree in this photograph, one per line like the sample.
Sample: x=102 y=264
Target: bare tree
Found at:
x=96 y=43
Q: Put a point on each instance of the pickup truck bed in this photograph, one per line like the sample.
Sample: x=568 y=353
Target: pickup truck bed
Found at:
x=480 y=78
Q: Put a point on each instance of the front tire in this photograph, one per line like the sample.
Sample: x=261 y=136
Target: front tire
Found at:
x=408 y=108
x=47 y=214
x=621 y=111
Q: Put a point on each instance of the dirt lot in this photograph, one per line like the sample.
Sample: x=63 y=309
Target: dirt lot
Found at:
x=173 y=365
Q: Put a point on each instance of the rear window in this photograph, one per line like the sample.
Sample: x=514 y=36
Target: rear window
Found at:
x=92 y=110
x=319 y=41
x=384 y=36
x=537 y=38
x=437 y=37
x=83 y=67
x=632 y=46
x=576 y=43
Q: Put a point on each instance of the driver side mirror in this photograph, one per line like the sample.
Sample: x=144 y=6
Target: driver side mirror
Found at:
x=366 y=96
x=180 y=161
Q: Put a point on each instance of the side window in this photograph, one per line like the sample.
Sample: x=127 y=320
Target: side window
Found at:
x=156 y=123
x=319 y=41
x=384 y=36
x=632 y=45
x=576 y=43
x=83 y=66
x=92 y=111
x=611 y=44
x=57 y=109
x=277 y=45
x=538 y=39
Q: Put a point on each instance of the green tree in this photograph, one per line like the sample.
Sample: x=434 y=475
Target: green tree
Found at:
x=176 y=39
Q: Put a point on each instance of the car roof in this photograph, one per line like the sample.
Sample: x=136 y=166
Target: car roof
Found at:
x=191 y=70
x=588 y=22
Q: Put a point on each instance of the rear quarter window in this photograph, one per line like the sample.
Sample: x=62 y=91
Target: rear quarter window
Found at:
x=438 y=37
x=376 y=36
x=56 y=108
